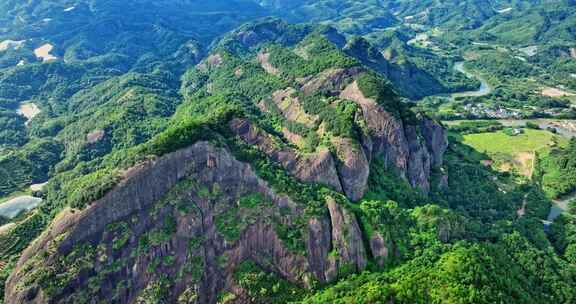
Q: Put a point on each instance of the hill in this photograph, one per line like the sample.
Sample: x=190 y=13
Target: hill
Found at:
x=211 y=153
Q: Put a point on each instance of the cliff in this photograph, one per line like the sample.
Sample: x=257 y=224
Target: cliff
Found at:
x=410 y=149
x=221 y=215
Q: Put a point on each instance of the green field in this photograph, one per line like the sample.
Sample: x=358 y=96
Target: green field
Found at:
x=514 y=151
x=498 y=142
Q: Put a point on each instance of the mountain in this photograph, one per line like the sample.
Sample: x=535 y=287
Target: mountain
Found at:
x=193 y=152
x=315 y=114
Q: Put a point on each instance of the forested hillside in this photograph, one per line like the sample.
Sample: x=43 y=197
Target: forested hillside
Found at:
x=240 y=151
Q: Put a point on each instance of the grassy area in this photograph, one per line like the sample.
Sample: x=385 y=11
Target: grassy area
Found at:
x=530 y=141
x=514 y=152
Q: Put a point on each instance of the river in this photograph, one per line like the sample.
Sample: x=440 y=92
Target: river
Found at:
x=558 y=207
x=484 y=89
x=566 y=128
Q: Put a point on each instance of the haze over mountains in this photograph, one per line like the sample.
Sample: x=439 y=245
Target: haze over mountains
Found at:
x=239 y=151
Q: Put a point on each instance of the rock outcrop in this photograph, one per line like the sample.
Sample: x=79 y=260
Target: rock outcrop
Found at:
x=347 y=239
x=332 y=81
x=353 y=167
x=183 y=215
x=264 y=59
x=198 y=214
x=435 y=138
x=411 y=150
x=291 y=109
x=316 y=167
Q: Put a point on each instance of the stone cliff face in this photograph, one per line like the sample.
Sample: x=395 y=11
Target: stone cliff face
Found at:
x=198 y=213
x=318 y=167
x=185 y=213
x=400 y=144
x=410 y=150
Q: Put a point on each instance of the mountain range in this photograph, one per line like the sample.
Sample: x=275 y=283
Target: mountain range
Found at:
x=244 y=151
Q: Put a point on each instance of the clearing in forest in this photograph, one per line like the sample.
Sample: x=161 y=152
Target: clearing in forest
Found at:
x=554 y=92
x=43 y=52
x=28 y=110
x=517 y=151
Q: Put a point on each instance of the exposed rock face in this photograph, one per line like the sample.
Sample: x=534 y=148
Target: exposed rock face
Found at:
x=411 y=150
x=353 y=167
x=316 y=167
x=319 y=244
x=264 y=59
x=198 y=213
x=418 y=171
x=212 y=61
x=294 y=138
x=350 y=176
x=291 y=108
x=198 y=187
x=95 y=136
x=332 y=81
x=435 y=138
x=400 y=145
x=379 y=248
x=347 y=238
